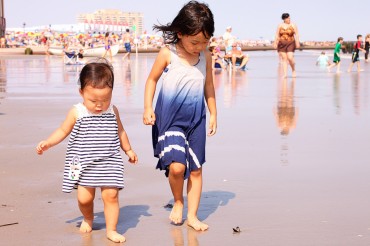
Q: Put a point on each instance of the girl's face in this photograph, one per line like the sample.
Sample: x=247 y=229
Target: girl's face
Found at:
x=194 y=44
x=287 y=20
x=96 y=100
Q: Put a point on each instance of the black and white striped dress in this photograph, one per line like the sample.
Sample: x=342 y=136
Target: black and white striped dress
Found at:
x=93 y=156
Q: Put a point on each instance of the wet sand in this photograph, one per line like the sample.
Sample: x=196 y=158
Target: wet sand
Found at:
x=289 y=164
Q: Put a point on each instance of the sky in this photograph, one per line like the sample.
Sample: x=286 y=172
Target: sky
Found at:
x=319 y=20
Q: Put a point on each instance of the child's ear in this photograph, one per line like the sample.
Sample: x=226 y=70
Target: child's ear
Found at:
x=81 y=93
x=179 y=35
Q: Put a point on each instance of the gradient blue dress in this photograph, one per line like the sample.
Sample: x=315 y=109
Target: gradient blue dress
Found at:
x=179 y=133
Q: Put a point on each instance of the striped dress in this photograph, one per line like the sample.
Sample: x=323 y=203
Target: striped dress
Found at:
x=93 y=156
x=179 y=133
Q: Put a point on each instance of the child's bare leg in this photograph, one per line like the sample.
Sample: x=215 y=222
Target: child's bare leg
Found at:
x=359 y=67
x=338 y=67
x=176 y=180
x=85 y=197
x=350 y=67
x=111 y=213
x=194 y=193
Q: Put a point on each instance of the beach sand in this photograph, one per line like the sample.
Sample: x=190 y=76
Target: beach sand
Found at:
x=307 y=186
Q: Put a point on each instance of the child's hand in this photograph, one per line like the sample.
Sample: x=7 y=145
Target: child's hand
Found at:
x=132 y=156
x=42 y=146
x=149 y=117
x=212 y=125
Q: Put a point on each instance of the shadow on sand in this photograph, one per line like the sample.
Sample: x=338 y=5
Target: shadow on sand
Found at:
x=209 y=203
x=129 y=217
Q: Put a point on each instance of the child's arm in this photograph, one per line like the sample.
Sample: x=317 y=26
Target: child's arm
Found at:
x=59 y=134
x=209 y=93
x=123 y=138
x=160 y=63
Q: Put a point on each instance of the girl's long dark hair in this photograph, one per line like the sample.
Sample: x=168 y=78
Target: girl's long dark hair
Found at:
x=192 y=19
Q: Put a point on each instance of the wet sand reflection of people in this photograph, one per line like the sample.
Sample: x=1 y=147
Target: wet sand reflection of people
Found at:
x=178 y=236
x=232 y=85
x=356 y=93
x=336 y=93
x=286 y=113
x=2 y=78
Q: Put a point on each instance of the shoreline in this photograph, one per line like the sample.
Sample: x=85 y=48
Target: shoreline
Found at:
x=41 y=50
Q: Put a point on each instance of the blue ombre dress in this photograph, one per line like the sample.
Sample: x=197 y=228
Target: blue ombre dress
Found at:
x=179 y=133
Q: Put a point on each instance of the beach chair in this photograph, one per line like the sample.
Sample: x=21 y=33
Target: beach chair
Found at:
x=70 y=58
x=238 y=62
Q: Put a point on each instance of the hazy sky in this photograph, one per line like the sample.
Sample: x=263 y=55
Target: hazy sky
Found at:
x=316 y=19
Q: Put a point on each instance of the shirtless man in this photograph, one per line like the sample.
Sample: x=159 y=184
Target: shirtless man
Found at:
x=127 y=39
x=237 y=55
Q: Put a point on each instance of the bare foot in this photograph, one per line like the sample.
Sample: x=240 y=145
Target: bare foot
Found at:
x=294 y=74
x=115 y=237
x=86 y=226
x=197 y=225
x=176 y=213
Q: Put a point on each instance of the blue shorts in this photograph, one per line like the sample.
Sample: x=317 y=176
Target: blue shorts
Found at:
x=128 y=47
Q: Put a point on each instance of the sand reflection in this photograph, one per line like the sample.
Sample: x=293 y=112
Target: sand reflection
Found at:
x=229 y=84
x=286 y=113
x=185 y=236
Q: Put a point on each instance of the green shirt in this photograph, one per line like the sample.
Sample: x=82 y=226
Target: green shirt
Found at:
x=337 y=48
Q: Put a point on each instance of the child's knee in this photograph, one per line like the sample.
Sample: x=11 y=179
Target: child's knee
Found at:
x=85 y=201
x=110 y=194
x=177 y=169
x=196 y=173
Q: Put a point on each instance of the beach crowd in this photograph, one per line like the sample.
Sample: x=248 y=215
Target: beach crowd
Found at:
x=51 y=38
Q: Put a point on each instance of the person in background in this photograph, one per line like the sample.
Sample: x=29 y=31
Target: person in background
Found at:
x=286 y=41
x=336 y=59
x=367 y=47
x=323 y=60
x=127 y=40
x=237 y=56
x=356 y=54
x=228 y=38
x=107 y=46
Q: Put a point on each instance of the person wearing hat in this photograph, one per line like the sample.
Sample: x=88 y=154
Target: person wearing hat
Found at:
x=228 y=38
x=217 y=59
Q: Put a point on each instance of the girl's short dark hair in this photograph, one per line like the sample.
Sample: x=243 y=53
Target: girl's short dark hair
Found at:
x=192 y=19
x=339 y=39
x=284 y=16
x=98 y=74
